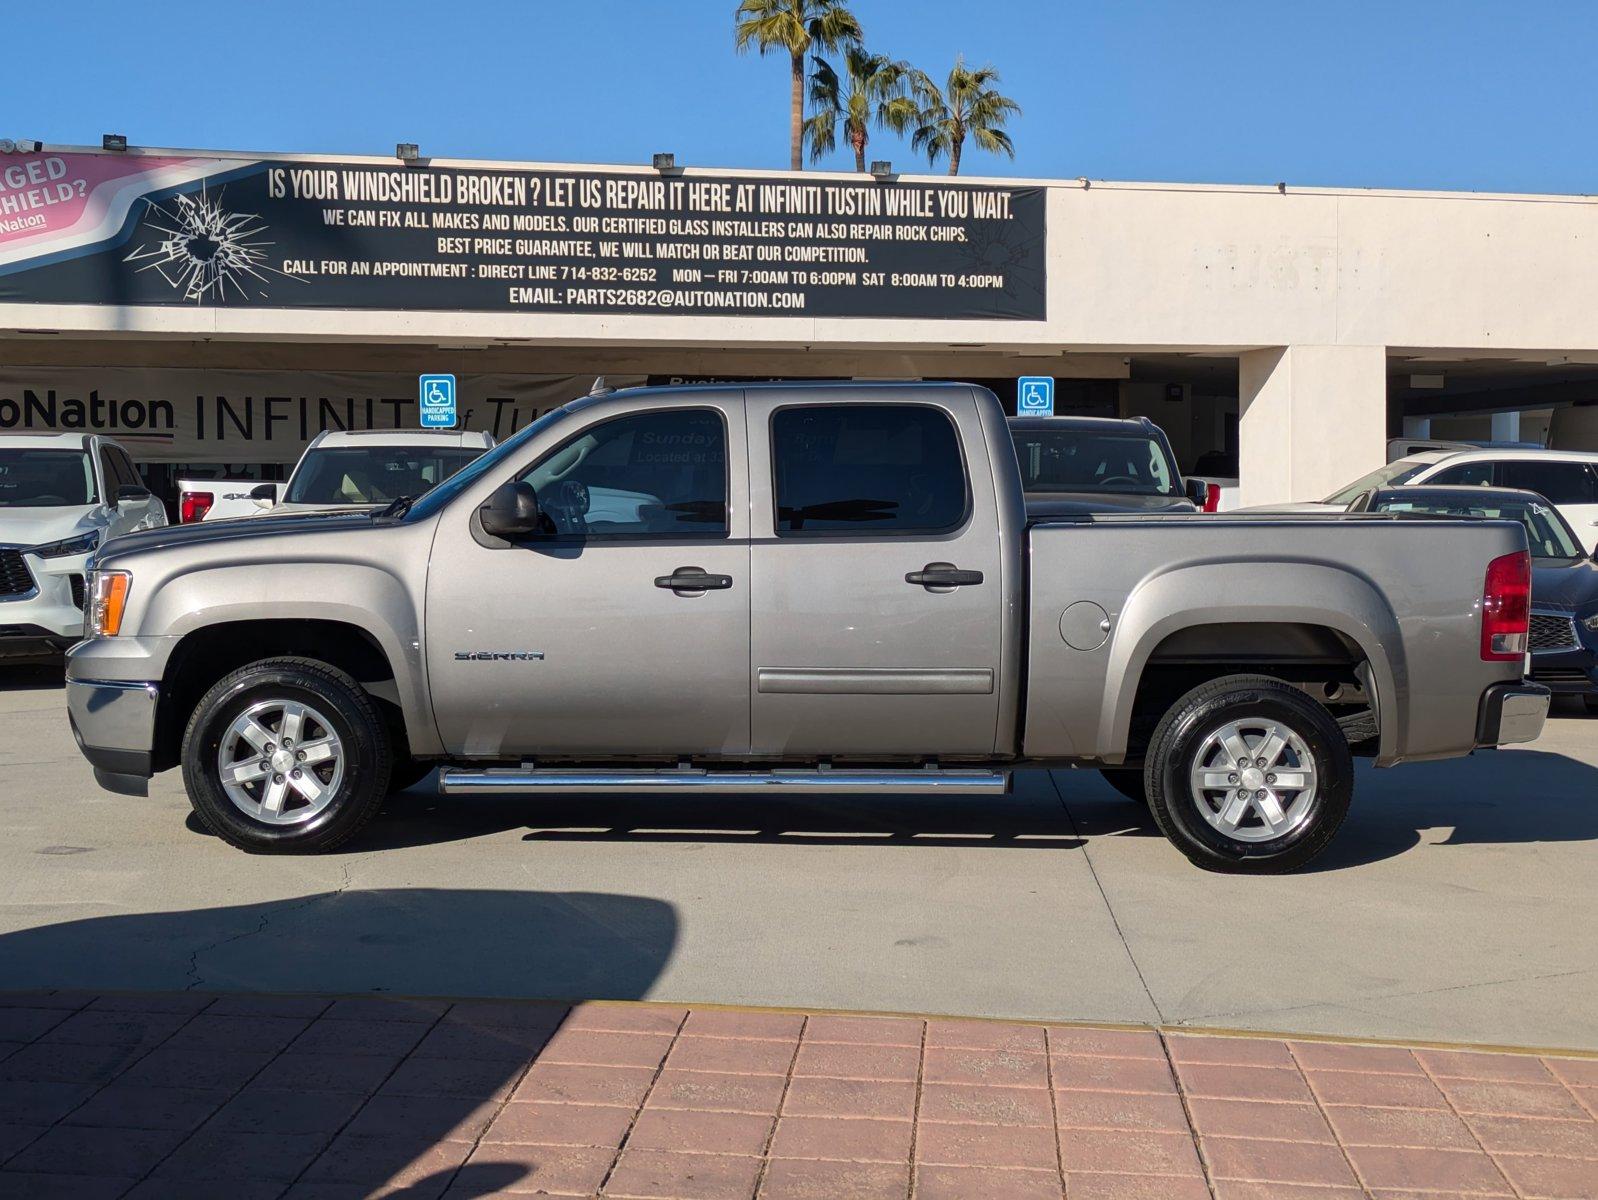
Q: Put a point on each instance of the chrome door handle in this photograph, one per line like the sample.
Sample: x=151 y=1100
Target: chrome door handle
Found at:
x=693 y=579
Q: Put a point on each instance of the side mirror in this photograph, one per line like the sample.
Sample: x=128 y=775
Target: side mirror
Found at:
x=1196 y=490
x=264 y=495
x=511 y=512
x=132 y=491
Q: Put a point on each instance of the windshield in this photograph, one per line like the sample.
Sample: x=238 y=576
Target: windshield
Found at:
x=373 y=474
x=436 y=499
x=1546 y=531
x=1393 y=474
x=45 y=478
x=1074 y=460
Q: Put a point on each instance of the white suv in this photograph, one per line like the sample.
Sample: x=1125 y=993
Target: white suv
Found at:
x=1567 y=478
x=62 y=495
x=346 y=469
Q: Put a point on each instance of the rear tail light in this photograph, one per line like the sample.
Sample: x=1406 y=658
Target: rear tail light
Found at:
x=194 y=506
x=1212 y=497
x=1506 y=608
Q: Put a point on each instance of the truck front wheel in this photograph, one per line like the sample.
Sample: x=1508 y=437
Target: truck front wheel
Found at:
x=1248 y=774
x=286 y=756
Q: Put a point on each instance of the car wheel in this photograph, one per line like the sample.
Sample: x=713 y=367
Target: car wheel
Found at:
x=1591 y=702
x=286 y=756
x=1249 y=774
x=1128 y=781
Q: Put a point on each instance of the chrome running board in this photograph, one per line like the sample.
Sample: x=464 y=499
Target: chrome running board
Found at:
x=461 y=781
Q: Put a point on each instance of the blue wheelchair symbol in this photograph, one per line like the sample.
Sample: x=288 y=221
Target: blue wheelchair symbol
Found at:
x=1035 y=396
x=437 y=396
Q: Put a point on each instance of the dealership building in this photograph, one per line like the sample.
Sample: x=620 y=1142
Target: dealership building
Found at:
x=214 y=310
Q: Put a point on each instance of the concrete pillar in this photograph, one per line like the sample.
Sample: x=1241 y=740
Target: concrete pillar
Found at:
x=1312 y=418
x=1417 y=427
x=1506 y=427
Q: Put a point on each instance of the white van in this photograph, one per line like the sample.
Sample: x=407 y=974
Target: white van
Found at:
x=62 y=496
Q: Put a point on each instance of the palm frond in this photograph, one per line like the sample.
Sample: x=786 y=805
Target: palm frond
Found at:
x=830 y=25
x=769 y=25
x=821 y=132
x=826 y=90
x=995 y=141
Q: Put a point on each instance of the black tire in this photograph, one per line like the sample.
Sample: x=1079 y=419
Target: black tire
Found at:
x=1128 y=781
x=349 y=714
x=1591 y=702
x=1182 y=735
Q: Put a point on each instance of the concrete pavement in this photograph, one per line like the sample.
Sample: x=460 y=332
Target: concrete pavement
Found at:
x=1457 y=904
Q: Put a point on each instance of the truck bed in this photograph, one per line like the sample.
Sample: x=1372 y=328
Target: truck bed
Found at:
x=1400 y=600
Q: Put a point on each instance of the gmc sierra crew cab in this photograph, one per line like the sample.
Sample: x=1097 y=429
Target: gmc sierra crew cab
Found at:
x=800 y=587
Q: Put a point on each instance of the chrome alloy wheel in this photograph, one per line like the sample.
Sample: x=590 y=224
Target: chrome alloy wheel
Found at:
x=280 y=762
x=1254 y=780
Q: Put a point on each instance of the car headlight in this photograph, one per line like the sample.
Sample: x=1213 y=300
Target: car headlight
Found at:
x=1591 y=622
x=108 y=597
x=84 y=543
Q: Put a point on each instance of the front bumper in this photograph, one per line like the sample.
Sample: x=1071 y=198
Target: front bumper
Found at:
x=114 y=724
x=52 y=609
x=1512 y=713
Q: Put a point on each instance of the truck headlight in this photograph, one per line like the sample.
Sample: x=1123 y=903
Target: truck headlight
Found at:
x=108 y=597
x=84 y=543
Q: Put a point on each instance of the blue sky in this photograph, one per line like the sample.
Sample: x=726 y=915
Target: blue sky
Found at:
x=1402 y=93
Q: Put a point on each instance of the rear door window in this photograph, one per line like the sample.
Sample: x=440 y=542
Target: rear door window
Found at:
x=867 y=468
x=1560 y=482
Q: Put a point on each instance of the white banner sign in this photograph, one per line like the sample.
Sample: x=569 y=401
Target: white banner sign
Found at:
x=196 y=415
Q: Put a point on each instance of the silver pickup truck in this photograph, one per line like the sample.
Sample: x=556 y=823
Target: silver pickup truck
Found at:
x=793 y=587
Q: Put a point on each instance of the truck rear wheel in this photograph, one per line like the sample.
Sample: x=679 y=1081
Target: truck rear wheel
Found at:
x=1248 y=774
x=286 y=756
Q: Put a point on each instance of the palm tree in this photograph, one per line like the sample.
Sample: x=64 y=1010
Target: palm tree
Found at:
x=799 y=27
x=875 y=93
x=968 y=104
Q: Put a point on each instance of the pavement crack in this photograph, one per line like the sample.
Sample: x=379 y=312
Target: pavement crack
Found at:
x=267 y=916
x=1105 y=896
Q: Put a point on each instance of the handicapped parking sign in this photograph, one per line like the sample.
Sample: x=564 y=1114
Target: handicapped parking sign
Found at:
x=437 y=396
x=1034 y=396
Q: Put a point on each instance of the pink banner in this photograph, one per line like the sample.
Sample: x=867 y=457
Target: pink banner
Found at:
x=49 y=196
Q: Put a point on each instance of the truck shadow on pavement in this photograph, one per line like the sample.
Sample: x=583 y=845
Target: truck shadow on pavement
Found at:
x=1494 y=797
x=1019 y=822
x=1502 y=797
x=363 y=1094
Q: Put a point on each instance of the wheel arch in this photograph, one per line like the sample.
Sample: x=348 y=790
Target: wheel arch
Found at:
x=1281 y=601
x=207 y=652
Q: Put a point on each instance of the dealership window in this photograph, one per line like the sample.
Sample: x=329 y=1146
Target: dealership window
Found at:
x=866 y=468
x=653 y=474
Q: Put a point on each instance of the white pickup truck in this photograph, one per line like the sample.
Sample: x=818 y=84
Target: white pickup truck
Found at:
x=340 y=469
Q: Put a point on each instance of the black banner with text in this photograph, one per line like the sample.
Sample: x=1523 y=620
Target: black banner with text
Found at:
x=146 y=230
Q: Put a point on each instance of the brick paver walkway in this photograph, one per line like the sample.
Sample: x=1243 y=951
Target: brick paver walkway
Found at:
x=312 y=1098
